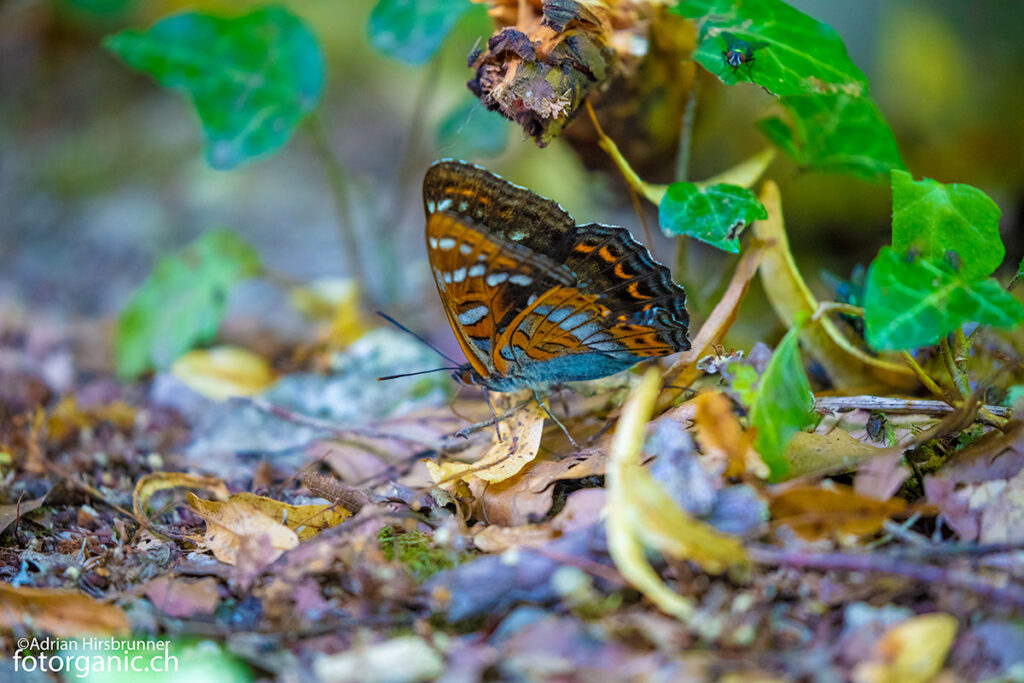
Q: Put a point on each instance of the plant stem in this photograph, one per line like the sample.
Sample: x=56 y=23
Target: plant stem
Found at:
x=955 y=368
x=645 y=190
x=836 y=307
x=338 y=185
x=927 y=381
x=686 y=131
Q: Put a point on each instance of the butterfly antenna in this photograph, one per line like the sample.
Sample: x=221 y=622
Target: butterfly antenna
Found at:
x=423 y=341
x=410 y=374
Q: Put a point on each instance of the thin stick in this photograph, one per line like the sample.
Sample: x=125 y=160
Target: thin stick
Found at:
x=883 y=563
x=266 y=406
x=686 y=131
x=909 y=406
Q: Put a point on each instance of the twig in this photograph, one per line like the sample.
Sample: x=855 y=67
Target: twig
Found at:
x=884 y=563
x=909 y=406
x=956 y=375
x=266 y=406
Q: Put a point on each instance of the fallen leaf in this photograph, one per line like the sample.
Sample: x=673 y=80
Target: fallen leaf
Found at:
x=223 y=372
x=146 y=487
x=403 y=659
x=183 y=598
x=334 y=302
x=12 y=511
x=63 y=613
x=912 y=652
x=720 y=434
x=816 y=511
x=834 y=450
x=67 y=417
x=228 y=523
x=515 y=445
x=581 y=509
x=847 y=366
x=305 y=520
x=641 y=513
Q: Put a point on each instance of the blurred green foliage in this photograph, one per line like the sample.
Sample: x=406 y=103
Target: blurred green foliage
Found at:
x=181 y=303
x=252 y=78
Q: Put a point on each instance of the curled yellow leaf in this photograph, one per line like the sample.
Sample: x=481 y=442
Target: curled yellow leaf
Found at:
x=223 y=372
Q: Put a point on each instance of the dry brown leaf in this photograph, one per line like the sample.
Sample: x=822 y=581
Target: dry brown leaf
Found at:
x=63 y=613
x=912 y=652
x=11 y=511
x=183 y=598
x=720 y=435
x=815 y=512
x=305 y=520
x=230 y=523
x=849 y=367
x=223 y=372
x=581 y=509
x=515 y=445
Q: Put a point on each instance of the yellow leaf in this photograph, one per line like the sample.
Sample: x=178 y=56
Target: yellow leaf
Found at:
x=335 y=302
x=640 y=511
x=147 y=486
x=848 y=366
x=305 y=520
x=832 y=451
x=815 y=512
x=518 y=445
x=719 y=431
x=911 y=652
x=224 y=371
x=63 y=613
x=67 y=417
x=231 y=522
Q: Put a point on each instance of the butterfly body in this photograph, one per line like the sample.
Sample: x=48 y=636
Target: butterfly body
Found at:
x=534 y=299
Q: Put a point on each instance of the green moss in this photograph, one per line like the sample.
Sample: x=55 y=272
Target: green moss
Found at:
x=417 y=551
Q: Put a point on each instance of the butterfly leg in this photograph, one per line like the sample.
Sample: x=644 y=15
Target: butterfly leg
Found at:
x=497 y=420
x=558 y=422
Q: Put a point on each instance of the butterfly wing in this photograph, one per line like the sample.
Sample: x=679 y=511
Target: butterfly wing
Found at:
x=532 y=297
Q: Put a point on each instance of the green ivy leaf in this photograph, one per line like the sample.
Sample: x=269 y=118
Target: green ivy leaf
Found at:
x=915 y=302
x=470 y=130
x=793 y=53
x=252 y=78
x=715 y=214
x=181 y=302
x=412 y=30
x=934 y=219
x=783 y=404
x=837 y=133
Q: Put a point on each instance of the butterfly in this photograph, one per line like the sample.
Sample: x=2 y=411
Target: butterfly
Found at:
x=534 y=299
